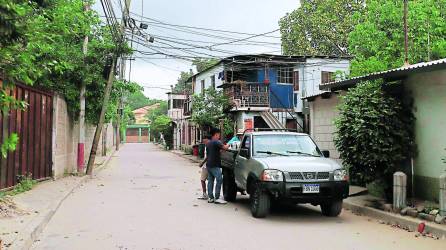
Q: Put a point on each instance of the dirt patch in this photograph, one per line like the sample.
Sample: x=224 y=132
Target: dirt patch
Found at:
x=9 y=209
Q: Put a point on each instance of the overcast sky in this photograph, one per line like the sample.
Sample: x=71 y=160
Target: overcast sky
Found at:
x=249 y=16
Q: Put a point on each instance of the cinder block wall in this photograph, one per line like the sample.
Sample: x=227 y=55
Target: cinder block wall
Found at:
x=66 y=137
x=322 y=115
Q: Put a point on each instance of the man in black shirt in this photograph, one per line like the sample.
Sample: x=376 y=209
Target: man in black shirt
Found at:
x=213 y=166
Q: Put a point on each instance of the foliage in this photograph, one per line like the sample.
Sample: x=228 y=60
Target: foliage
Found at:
x=25 y=183
x=182 y=84
x=137 y=100
x=377 y=41
x=374 y=132
x=203 y=64
x=208 y=108
x=161 y=125
x=158 y=111
x=319 y=27
x=42 y=45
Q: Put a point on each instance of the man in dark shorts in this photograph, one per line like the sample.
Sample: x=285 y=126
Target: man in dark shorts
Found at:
x=213 y=166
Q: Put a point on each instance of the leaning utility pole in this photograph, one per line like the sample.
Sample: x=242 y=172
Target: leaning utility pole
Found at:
x=125 y=16
x=97 y=133
x=81 y=142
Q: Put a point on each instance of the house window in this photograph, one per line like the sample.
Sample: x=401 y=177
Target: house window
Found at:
x=177 y=103
x=213 y=82
x=202 y=87
x=285 y=75
x=296 y=80
x=326 y=77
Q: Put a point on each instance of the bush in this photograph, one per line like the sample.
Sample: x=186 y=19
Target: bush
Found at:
x=374 y=132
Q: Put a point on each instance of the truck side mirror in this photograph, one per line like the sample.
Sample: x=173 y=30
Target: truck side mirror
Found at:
x=244 y=152
x=326 y=153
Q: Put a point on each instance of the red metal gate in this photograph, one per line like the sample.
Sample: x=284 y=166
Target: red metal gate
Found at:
x=34 y=128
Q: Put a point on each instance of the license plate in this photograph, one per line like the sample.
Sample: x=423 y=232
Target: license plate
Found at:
x=310 y=188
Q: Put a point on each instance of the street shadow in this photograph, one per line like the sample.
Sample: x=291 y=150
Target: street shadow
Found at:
x=301 y=213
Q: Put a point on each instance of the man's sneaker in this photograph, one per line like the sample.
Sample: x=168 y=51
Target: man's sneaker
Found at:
x=204 y=196
x=220 y=201
x=211 y=200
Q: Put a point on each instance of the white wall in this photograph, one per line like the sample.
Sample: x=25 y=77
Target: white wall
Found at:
x=206 y=76
x=311 y=73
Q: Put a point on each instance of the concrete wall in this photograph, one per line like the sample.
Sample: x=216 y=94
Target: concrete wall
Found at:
x=322 y=115
x=65 y=139
x=428 y=91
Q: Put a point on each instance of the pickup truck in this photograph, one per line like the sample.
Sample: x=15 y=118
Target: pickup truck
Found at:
x=283 y=167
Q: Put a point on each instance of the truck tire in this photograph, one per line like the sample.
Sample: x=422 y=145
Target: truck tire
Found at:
x=260 y=202
x=332 y=209
x=229 y=186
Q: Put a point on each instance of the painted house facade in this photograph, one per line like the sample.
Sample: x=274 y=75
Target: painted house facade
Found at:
x=425 y=84
x=266 y=91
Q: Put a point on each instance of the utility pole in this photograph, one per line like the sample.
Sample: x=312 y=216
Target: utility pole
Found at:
x=111 y=78
x=97 y=133
x=406 y=39
x=125 y=16
x=81 y=142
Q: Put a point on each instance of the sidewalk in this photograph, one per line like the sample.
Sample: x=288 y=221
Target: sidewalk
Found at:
x=186 y=156
x=363 y=205
x=39 y=205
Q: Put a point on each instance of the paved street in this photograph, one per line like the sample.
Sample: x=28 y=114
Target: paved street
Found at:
x=146 y=199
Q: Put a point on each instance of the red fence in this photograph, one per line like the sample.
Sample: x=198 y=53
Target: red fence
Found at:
x=34 y=128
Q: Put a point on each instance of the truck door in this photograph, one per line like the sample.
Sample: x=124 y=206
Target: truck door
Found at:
x=240 y=167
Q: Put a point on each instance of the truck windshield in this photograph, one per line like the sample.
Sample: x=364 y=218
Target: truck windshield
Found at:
x=276 y=144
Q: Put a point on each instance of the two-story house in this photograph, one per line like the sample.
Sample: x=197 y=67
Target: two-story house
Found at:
x=175 y=105
x=266 y=91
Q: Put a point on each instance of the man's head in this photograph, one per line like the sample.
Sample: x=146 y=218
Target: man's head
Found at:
x=215 y=134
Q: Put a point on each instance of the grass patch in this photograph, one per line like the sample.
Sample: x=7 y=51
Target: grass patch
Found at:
x=26 y=183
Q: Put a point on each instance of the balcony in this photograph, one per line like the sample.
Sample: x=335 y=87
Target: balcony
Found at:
x=187 y=108
x=247 y=94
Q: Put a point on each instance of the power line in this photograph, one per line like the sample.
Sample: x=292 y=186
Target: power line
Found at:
x=201 y=28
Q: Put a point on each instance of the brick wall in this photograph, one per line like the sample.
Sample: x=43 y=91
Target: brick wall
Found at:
x=66 y=137
x=322 y=115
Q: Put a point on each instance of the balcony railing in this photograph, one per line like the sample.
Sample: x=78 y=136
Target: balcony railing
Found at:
x=248 y=94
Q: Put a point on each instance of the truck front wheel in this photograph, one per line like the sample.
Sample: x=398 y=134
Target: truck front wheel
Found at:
x=332 y=209
x=229 y=186
x=260 y=202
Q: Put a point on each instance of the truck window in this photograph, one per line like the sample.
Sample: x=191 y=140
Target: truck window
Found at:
x=285 y=144
x=246 y=142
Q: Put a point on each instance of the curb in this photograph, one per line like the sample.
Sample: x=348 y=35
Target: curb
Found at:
x=391 y=218
x=25 y=239
x=185 y=157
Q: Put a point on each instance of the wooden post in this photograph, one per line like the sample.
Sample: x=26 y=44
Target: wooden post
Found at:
x=97 y=133
x=399 y=190
x=442 y=197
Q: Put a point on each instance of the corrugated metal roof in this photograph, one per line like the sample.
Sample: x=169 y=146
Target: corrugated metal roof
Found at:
x=392 y=74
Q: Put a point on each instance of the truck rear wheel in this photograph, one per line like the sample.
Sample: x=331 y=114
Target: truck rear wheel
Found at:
x=332 y=209
x=229 y=186
x=260 y=202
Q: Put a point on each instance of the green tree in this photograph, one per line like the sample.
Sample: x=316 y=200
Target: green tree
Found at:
x=43 y=46
x=202 y=64
x=319 y=27
x=137 y=100
x=377 y=41
x=158 y=111
x=209 y=108
x=374 y=132
x=162 y=124
x=182 y=85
